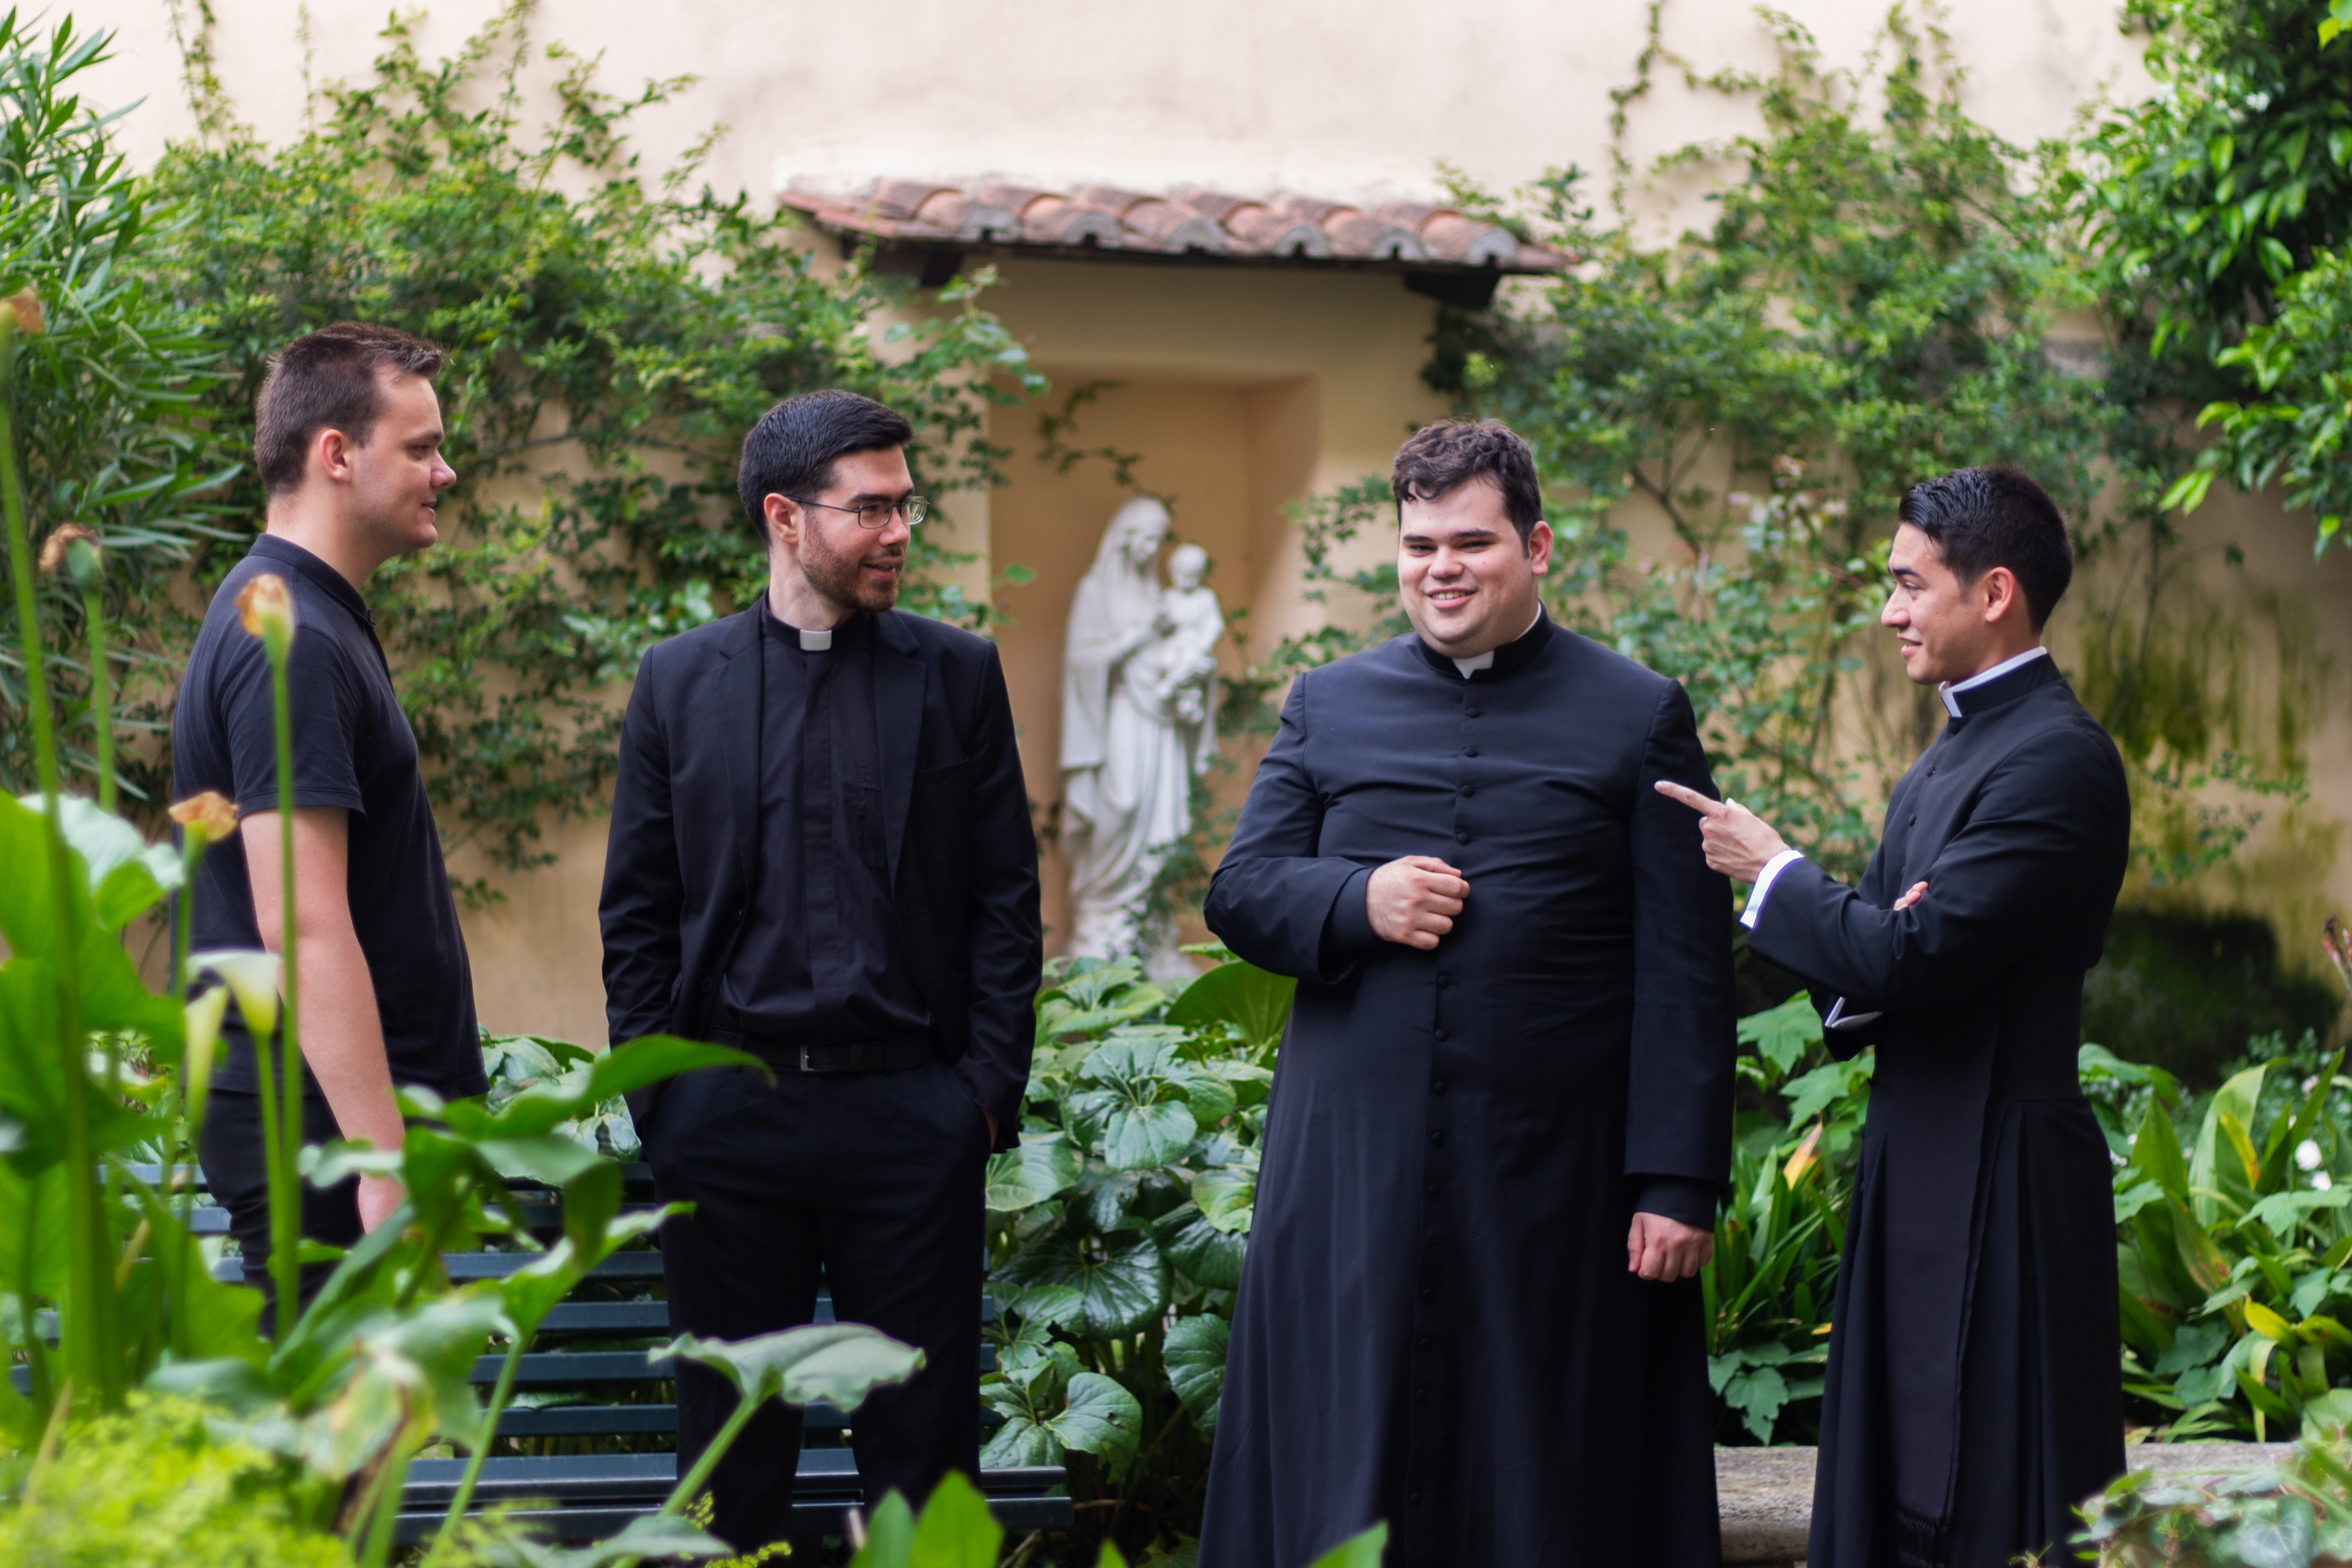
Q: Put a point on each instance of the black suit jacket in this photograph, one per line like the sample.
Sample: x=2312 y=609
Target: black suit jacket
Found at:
x=962 y=856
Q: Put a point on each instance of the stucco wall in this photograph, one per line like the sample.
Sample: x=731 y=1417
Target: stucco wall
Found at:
x=1243 y=390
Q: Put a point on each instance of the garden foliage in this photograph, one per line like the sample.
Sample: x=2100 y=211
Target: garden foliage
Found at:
x=613 y=335
x=2219 y=211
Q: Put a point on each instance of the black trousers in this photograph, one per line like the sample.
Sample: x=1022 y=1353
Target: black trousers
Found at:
x=229 y=1149
x=875 y=1179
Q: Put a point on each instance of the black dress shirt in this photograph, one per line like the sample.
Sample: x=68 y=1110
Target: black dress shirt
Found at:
x=818 y=956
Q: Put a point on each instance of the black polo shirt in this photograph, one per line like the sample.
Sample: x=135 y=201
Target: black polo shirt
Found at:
x=353 y=749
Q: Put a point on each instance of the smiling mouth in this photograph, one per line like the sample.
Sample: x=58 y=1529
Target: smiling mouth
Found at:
x=1450 y=596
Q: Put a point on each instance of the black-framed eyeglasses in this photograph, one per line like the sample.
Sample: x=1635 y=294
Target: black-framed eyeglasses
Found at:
x=877 y=513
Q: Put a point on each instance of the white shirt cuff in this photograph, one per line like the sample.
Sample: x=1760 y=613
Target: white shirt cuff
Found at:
x=1764 y=879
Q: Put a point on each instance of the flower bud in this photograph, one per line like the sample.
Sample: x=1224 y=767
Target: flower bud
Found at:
x=25 y=306
x=211 y=815
x=266 y=608
x=252 y=978
x=203 y=1024
x=60 y=540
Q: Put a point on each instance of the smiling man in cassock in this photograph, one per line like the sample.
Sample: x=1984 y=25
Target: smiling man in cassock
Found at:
x=1973 y=1395
x=1502 y=1112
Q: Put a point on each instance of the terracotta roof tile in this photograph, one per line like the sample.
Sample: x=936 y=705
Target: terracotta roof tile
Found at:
x=1285 y=227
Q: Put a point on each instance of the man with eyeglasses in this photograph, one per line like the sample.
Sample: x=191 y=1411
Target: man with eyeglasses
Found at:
x=821 y=854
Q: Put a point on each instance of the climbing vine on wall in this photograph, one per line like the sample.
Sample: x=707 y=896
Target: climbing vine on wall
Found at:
x=613 y=336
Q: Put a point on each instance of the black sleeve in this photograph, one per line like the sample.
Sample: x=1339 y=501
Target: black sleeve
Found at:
x=323 y=703
x=1007 y=939
x=1678 y=1092
x=644 y=892
x=2048 y=819
x=1274 y=900
x=1678 y=1198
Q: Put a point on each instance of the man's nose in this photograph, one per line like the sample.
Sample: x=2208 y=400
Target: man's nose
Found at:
x=1890 y=616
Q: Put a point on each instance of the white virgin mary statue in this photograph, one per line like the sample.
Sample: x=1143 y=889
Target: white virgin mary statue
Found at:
x=1139 y=704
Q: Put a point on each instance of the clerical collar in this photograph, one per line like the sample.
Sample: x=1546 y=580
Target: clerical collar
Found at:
x=817 y=641
x=1503 y=659
x=1992 y=688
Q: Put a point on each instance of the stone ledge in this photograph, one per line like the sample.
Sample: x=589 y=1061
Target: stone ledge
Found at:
x=1766 y=1494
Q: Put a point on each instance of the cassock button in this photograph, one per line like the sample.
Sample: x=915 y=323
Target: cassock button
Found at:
x=1413 y=1498
x=1433 y=1189
x=1419 y=1394
x=1442 y=1034
x=1437 y=1135
x=1462 y=834
x=1424 y=1341
x=1428 y=1293
x=1437 y=1088
x=1469 y=750
x=1469 y=789
x=1469 y=712
x=1442 y=981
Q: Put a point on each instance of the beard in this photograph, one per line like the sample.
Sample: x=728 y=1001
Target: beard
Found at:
x=839 y=576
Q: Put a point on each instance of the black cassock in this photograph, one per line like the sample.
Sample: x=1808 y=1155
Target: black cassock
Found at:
x=1435 y=1325
x=1973 y=1395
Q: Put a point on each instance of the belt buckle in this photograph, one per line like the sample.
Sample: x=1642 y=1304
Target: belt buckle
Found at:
x=805 y=1061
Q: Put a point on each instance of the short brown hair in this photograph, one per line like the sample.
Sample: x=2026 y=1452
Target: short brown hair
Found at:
x=326 y=379
x=1442 y=457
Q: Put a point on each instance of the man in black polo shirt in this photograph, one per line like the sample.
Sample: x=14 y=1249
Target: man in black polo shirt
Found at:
x=821 y=854
x=347 y=438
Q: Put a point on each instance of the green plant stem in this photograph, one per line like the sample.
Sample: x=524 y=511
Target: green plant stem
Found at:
x=283 y=1132
x=101 y=694
x=447 y=1533
x=183 y=1133
x=90 y=1333
x=691 y=1484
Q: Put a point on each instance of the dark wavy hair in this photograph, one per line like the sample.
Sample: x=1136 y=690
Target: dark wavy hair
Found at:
x=1442 y=457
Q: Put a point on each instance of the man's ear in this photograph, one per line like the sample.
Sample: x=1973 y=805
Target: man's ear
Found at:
x=783 y=520
x=1538 y=548
x=2002 y=598
x=332 y=449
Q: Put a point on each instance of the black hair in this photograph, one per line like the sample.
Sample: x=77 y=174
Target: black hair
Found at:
x=1442 y=457
x=327 y=380
x=791 y=451
x=1979 y=519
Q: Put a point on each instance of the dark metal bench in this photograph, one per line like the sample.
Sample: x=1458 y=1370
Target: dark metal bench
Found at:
x=588 y=1392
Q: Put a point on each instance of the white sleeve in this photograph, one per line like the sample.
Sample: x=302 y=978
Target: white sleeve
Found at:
x=1772 y=869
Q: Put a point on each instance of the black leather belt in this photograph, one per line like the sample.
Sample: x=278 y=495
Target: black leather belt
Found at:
x=895 y=1053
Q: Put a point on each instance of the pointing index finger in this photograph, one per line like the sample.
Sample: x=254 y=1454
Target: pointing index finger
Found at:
x=1692 y=798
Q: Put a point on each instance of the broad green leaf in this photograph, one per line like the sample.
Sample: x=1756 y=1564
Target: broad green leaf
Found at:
x=1782 y=1035
x=956 y=1530
x=1227 y=1196
x=124 y=875
x=1358 y=1551
x=1042 y=1166
x=1195 y=1354
x=837 y=1362
x=643 y=1062
x=1141 y=1138
x=1211 y=1097
x=2267 y=1323
x=1102 y=1419
x=1253 y=1001
x=33 y=1221
x=2156 y=1152
x=1206 y=1255
x=548 y=1160
x=41 y=921
x=890 y=1534
x=1097 y=1286
x=1019 y=1442
x=1810 y=1094
x=2236 y=1099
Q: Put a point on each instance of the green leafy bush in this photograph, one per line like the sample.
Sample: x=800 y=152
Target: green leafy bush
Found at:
x=155 y=1487
x=613 y=334
x=1116 y=1232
